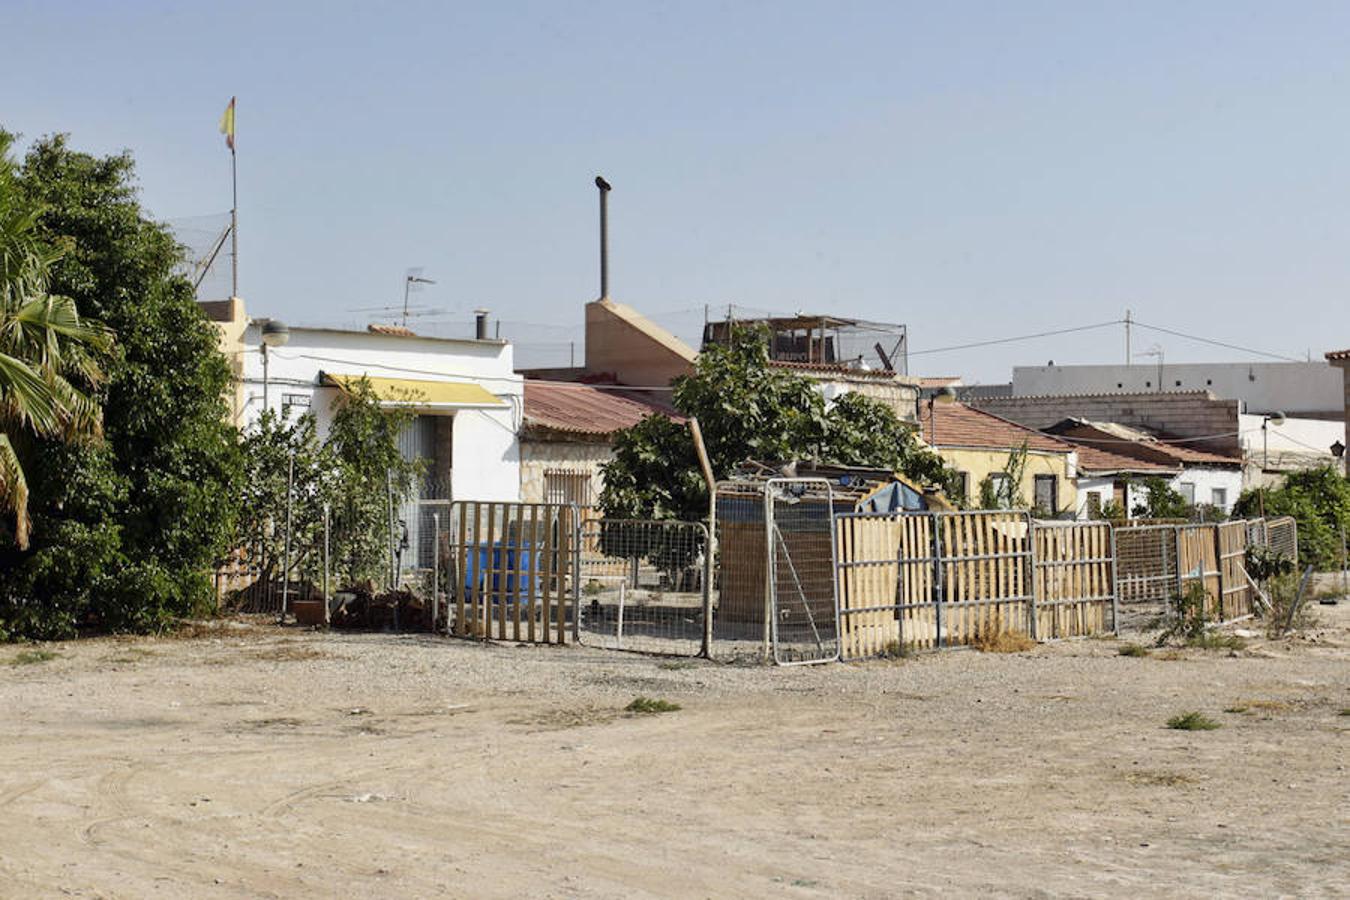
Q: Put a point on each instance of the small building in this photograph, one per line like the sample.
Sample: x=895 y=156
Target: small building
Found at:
x=466 y=398
x=1203 y=478
x=567 y=433
x=980 y=446
x=840 y=355
x=1106 y=478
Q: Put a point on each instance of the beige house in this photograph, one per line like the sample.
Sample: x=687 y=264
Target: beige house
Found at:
x=980 y=446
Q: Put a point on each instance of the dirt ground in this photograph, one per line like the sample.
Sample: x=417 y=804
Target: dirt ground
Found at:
x=252 y=761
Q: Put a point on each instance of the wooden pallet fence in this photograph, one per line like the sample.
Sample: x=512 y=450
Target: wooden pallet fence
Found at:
x=1235 y=588
x=1074 y=582
x=985 y=572
x=1198 y=562
x=513 y=575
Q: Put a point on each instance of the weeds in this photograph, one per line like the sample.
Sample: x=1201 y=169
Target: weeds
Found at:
x=1192 y=721
x=649 y=706
x=1189 y=619
x=31 y=657
x=674 y=665
x=1002 y=642
x=1212 y=640
x=896 y=650
x=1133 y=650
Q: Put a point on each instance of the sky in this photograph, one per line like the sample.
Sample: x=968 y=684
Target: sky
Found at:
x=976 y=171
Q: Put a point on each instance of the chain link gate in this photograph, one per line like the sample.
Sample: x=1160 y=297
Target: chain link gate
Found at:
x=644 y=585
x=803 y=621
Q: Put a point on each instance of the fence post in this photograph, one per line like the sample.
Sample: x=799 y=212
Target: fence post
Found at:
x=941 y=640
x=1115 y=582
x=327 y=592
x=770 y=552
x=1034 y=626
x=1218 y=564
x=286 y=557
x=705 y=650
x=389 y=504
x=436 y=569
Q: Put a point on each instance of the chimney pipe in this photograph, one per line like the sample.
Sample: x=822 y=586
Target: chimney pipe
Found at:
x=480 y=324
x=604 y=187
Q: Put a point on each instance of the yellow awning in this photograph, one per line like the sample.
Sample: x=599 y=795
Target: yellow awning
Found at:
x=419 y=393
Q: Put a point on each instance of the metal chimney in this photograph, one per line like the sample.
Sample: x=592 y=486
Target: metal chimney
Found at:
x=480 y=324
x=604 y=187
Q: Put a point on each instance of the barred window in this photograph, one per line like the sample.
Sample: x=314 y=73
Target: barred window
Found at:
x=567 y=486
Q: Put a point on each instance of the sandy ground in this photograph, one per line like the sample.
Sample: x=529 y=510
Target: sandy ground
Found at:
x=259 y=762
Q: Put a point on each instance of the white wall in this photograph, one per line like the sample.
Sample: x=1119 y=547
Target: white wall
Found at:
x=1294 y=436
x=486 y=452
x=1205 y=481
x=1266 y=387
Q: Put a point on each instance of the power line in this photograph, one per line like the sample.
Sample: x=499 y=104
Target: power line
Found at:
x=1021 y=337
x=1202 y=340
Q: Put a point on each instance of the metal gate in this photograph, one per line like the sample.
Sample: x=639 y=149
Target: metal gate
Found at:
x=644 y=585
x=511 y=570
x=803 y=606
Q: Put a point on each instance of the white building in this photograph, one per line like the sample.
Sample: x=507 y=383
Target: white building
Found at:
x=1307 y=389
x=467 y=398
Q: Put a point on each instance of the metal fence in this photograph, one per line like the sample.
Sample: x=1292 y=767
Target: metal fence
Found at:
x=799 y=530
x=645 y=586
x=1075 y=579
x=1146 y=563
x=1282 y=536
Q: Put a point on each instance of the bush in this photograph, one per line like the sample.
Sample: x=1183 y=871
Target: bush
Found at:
x=1319 y=499
x=1192 y=721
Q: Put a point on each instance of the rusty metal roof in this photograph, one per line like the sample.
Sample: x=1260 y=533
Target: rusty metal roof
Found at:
x=584 y=409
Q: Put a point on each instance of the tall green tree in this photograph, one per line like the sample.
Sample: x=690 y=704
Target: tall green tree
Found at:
x=49 y=356
x=124 y=532
x=749 y=409
x=1319 y=499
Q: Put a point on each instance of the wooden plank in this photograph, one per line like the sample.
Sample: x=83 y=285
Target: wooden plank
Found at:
x=532 y=544
x=548 y=567
x=565 y=566
x=461 y=573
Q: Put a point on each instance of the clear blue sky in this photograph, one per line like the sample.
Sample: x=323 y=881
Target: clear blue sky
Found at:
x=972 y=170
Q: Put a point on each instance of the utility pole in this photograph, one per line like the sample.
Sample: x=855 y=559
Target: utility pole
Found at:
x=1128 y=356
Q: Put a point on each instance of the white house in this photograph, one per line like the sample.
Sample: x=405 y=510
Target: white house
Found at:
x=468 y=400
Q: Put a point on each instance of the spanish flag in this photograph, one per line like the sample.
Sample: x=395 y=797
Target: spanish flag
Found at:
x=227 y=125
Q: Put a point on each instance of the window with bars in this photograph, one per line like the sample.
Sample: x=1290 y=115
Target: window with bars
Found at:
x=567 y=486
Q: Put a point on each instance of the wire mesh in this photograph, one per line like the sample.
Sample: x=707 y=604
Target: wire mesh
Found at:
x=804 y=621
x=643 y=586
x=1282 y=536
x=740 y=627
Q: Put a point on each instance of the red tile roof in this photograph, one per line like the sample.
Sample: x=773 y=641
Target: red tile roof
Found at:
x=1094 y=459
x=959 y=425
x=584 y=409
x=1338 y=354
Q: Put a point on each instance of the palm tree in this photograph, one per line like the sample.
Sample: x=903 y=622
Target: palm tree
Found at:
x=49 y=356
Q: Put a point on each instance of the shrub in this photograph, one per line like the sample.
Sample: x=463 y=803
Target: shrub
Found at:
x=1133 y=650
x=649 y=706
x=1192 y=721
x=1002 y=642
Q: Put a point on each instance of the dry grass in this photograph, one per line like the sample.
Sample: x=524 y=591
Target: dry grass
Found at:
x=1133 y=650
x=31 y=657
x=1159 y=779
x=1253 y=705
x=1003 y=642
x=292 y=651
x=649 y=706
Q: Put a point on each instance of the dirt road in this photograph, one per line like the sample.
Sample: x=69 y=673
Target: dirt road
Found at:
x=256 y=762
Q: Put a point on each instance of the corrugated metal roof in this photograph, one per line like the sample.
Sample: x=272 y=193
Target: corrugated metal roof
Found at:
x=583 y=409
x=1339 y=354
x=958 y=425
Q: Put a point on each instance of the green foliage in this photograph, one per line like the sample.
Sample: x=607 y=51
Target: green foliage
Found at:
x=49 y=356
x=1189 y=619
x=1192 y=721
x=1161 y=501
x=1319 y=499
x=125 y=533
x=1264 y=563
x=650 y=706
x=352 y=471
x=748 y=409
x=1003 y=489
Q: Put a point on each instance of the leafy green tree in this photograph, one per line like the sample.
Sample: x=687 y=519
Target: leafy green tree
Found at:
x=1319 y=499
x=1161 y=501
x=1003 y=489
x=748 y=409
x=125 y=533
x=49 y=356
x=353 y=471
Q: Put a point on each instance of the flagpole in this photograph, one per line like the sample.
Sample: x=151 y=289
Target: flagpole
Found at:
x=234 y=221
